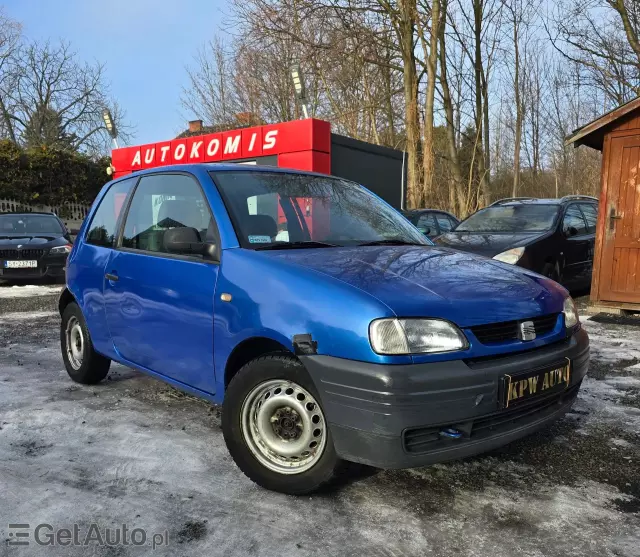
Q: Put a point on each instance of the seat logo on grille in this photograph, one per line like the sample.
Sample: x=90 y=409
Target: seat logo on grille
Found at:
x=526 y=330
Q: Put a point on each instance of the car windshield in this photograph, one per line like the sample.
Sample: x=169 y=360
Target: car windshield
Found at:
x=278 y=211
x=30 y=224
x=511 y=218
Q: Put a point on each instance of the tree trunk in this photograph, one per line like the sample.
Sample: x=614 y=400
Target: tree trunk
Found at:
x=432 y=68
x=406 y=30
x=457 y=198
x=518 y=102
x=483 y=194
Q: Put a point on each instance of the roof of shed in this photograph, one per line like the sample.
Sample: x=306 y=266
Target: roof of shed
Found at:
x=592 y=134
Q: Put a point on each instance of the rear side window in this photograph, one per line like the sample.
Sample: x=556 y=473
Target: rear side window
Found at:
x=104 y=225
x=162 y=202
x=427 y=224
x=573 y=219
x=590 y=212
x=444 y=222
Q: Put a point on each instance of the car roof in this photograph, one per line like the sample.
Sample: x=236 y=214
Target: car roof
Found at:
x=27 y=213
x=221 y=167
x=417 y=211
x=512 y=201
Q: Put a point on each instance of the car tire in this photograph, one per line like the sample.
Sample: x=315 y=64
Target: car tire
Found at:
x=550 y=270
x=84 y=365
x=271 y=407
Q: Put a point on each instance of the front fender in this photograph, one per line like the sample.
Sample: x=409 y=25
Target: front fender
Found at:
x=278 y=300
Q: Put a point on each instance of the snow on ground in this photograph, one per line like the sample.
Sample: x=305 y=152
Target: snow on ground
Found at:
x=28 y=291
x=133 y=450
x=613 y=343
x=7 y=318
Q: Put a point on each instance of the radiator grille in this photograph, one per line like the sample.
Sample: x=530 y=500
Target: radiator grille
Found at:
x=508 y=330
x=22 y=254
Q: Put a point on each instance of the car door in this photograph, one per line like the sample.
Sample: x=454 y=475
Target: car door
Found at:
x=85 y=268
x=576 y=245
x=590 y=212
x=159 y=305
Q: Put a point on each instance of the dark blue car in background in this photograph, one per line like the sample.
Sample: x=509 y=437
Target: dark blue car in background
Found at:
x=327 y=325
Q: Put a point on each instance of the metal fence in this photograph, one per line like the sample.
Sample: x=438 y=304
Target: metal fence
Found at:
x=72 y=214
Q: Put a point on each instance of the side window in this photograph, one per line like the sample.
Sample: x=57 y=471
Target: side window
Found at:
x=103 y=227
x=162 y=202
x=590 y=212
x=427 y=221
x=573 y=219
x=444 y=223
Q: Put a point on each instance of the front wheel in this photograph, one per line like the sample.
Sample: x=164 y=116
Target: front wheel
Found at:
x=84 y=365
x=275 y=428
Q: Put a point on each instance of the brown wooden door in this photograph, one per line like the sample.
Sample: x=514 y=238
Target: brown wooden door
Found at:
x=620 y=267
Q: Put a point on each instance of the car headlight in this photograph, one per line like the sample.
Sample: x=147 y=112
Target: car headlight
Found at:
x=415 y=336
x=60 y=250
x=570 y=313
x=511 y=256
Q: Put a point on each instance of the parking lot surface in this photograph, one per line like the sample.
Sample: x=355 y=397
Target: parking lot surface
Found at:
x=134 y=451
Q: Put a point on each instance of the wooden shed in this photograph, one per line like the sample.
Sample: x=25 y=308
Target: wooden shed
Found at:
x=616 y=265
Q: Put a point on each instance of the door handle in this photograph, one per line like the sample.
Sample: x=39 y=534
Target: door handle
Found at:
x=612 y=218
x=112 y=276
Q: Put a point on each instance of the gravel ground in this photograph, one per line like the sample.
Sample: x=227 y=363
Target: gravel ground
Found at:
x=133 y=450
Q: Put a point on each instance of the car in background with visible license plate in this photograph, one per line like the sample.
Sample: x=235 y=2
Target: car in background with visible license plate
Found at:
x=350 y=338
x=33 y=246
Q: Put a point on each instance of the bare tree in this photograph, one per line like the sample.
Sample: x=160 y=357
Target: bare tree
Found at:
x=10 y=35
x=603 y=37
x=51 y=92
x=519 y=18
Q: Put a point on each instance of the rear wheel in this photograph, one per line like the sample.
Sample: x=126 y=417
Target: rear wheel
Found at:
x=275 y=428
x=84 y=365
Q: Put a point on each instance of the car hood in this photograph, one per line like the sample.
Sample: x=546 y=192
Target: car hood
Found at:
x=30 y=240
x=485 y=243
x=434 y=282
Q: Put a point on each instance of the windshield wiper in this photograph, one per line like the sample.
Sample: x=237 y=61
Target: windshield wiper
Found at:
x=392 y=242
x=297 y=245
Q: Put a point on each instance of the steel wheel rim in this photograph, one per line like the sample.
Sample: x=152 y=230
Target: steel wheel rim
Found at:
x=75 y=343
x=283 y=426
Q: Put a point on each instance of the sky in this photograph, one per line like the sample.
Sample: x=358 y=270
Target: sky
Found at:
x=145 y=45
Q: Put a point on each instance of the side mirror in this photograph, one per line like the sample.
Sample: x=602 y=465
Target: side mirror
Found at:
x=572 y=231
x=425 y=230
x=186 y=241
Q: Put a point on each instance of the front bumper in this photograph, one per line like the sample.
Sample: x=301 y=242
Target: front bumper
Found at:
x=391 y=416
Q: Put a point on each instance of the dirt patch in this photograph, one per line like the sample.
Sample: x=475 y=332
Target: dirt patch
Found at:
x=609 y=319
x=562 y=453
x=602 y=370
x=631 y=398
x=32 y=448
x=628 y=505
x=192 y=530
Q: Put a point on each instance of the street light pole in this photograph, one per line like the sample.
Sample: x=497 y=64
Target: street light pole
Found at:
x=110 y=125
x=299 y=88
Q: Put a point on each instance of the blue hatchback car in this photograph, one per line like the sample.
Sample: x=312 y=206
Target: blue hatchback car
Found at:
x=330 y=329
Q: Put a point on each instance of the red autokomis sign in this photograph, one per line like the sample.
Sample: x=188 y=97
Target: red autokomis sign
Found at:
x=206 y=148
x=298 y=136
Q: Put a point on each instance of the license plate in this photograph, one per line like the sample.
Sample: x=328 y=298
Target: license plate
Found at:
x=20 y=264
x=522 y=387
